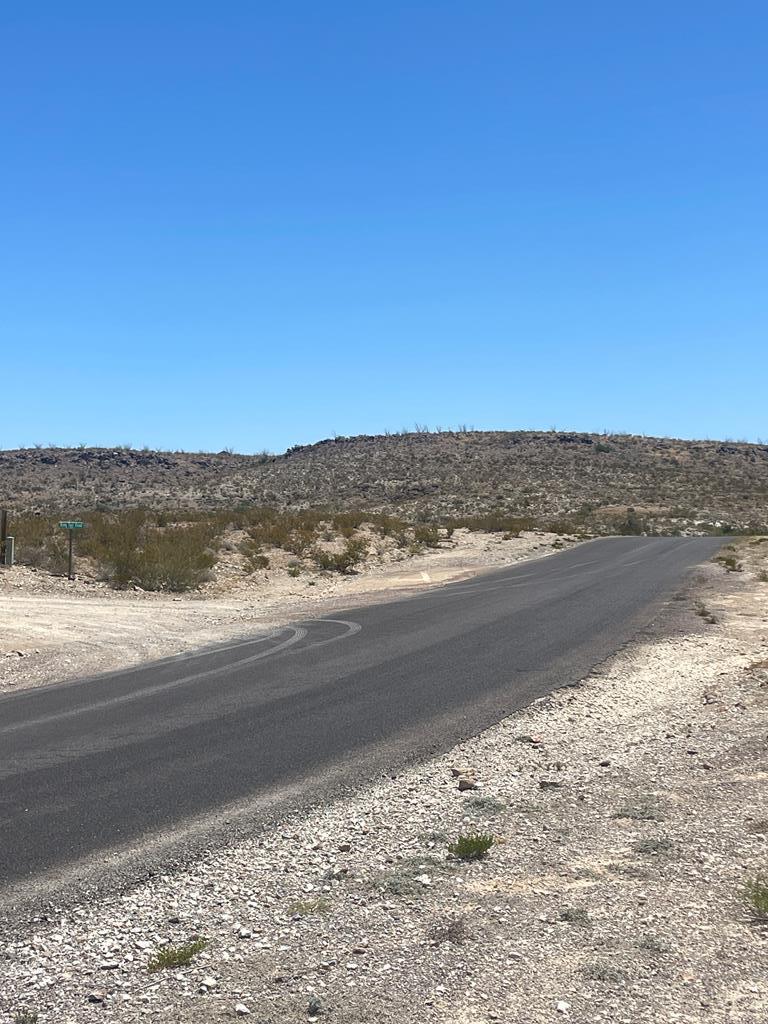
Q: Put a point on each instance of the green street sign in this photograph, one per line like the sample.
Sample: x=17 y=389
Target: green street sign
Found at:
x=73 y=525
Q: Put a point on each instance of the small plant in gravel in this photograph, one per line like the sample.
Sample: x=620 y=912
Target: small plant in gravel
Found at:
x=628 y=870
x=653 y=846
x=643 y=809
x=315 y=1007
x=176 y=956
x=472 y=847
x=729 y=562
x=601 y=971
x=320 y=905
x=412 y=876
x=576 y=915
x=651 y=944
x=25 y=1017
x=452 y=929
x=486 y=804
x=756 y=894
x=704 y=613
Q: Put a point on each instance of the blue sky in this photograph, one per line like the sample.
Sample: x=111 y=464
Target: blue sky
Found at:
x=259 y=224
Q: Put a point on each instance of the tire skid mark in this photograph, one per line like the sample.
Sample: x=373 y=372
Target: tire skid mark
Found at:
x=297 y=634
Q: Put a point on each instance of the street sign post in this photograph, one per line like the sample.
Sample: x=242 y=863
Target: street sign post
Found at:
x=70 y=526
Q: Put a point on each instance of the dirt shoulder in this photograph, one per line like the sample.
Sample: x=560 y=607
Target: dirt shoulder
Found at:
x=54 y=629
x=627 y=813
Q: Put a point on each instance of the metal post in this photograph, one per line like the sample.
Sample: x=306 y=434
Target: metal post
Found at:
x=3 y=533
x=71 y=574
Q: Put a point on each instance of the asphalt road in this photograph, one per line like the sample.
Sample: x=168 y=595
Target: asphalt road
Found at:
x=93 y=766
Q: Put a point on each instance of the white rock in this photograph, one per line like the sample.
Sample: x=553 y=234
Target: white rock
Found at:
x=241 y=1010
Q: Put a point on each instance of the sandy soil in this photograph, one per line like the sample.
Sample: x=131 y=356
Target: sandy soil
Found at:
x=626 y=813
x=54 y=629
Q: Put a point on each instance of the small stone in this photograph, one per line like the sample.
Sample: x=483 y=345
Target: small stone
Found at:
x=562 y=1006
x=241 y=1010
x=209 y=982
x=244 y=933
x=96 y=997
x=605 y=763
x=467 y=782
x=345 y=847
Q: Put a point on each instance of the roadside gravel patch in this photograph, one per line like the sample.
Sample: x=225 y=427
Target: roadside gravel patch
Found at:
x=627 y=812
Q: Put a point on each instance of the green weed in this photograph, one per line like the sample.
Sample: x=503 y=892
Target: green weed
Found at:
x=176 y=956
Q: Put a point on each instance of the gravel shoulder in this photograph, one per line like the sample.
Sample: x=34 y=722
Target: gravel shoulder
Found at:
x=55 y=629
x=627 y=812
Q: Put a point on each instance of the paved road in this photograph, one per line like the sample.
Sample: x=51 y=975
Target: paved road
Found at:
x=89 y=765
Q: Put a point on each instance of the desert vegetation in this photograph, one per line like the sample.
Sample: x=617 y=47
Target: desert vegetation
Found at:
x=158 y=550
x=160 y=520
x=609 y=483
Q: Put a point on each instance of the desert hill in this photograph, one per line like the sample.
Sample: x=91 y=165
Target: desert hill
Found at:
x=546 y=476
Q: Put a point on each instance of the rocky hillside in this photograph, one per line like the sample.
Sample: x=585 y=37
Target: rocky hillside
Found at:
x=550 y=475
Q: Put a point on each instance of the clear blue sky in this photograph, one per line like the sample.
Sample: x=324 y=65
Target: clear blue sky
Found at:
x=258 y=224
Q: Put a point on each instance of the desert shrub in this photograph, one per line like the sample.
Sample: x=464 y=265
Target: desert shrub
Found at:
x=492 y=523
x=427 y=534
x=317 y=905
x=652 y=944
x=576 y=915
x=473 y=847
x=407 y=877
x=344 y=561
x=630 y=525
x=176 y=956
x=644 y=808
x=254 y=558
x=131 y=549
x=756 y=895
x=704 y=613
x=346 y=523
x=39 y=542
x=451 y=929
x=176 y=559
x=729 y=562
x=654 y=846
